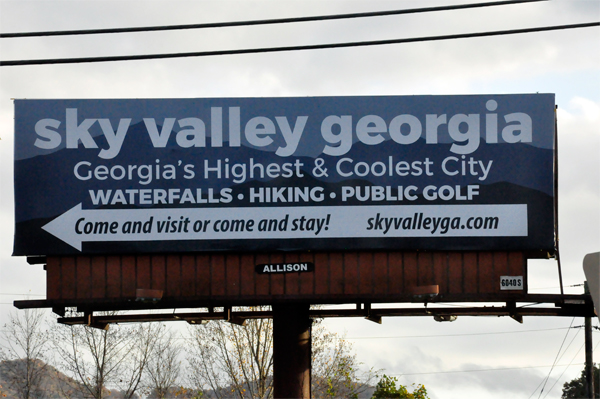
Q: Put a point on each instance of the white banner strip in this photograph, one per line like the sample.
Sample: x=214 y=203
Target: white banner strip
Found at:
x=79 y=225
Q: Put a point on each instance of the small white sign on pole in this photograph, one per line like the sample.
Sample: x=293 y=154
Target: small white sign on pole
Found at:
x=591 y=268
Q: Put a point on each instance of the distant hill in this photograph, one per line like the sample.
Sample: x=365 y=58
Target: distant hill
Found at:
x=54 y=384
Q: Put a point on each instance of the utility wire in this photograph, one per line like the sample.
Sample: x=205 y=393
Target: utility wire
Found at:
x=548 y=288
x=567 y=348
x=264 y=21
x=436 y=335
x=565 y=369
x=570 y=364
x=555 y=359
x=476 y=370
x=292 y=48
x=458 y=335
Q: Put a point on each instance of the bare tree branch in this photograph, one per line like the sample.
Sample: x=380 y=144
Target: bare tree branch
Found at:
x=164 y=364
x=241 y=361
x=99 y=358
x=25 y=340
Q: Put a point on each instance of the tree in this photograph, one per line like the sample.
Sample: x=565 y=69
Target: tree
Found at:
x=336 y=370
x=386 y=389
x=96 y=358
x=233 y=360
x=576 y=388
x=163 y=366
x=145 y=340
x=25 y=338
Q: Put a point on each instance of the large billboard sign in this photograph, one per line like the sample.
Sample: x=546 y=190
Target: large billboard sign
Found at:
x=269 y=174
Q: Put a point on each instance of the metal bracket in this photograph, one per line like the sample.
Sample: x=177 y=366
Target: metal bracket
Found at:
x=90 y=322
x=512 y=309
x=371 y=317
x=232 y=318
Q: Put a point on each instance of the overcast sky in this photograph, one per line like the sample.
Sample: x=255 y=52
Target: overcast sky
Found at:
x=513 y=359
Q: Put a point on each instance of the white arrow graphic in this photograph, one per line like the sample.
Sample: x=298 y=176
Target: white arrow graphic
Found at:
x=79 y=225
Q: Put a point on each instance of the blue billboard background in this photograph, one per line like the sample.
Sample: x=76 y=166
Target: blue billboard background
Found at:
x=270 y=174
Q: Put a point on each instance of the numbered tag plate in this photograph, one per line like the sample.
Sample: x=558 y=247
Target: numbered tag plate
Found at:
x=511 y=283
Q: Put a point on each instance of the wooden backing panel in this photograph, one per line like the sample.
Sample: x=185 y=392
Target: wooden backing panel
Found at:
x=99 y=277
x=395 y=273
x=69 y=277
x=365 y=272
x=173 y=275
x=247 y=275
x=488 y=279
x=83 y=264
x=470 y=273
x=263 y=281
x=203 y=276
x=306 y=281
x=351 y=275
x=425 y=268
x=113 y=277
x=277 y=279
x=292 y=279
x=411 y=271
x=217 y=267
x=232 y=273
x=516 y=264
x=500 y=268
x=336 y=273
x=380 y=273
x=440 y=271
x=144 y=273
x=322 y=271
x=128 y=271
x=53 y=278
x=188 y=276
x=158 y=273
x=455 y=273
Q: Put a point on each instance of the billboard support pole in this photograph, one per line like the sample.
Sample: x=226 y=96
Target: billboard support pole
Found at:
x=556 y=237
x=291 y=351
x=589 y=353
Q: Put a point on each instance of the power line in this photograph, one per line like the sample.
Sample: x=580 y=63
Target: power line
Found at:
x=494 y=369
x=560 y=376
x=555 y=360
x=437 y=335
x=263 y=21
x=568 y=346
x=547 y=288
x=292 y=48
x=459 y=335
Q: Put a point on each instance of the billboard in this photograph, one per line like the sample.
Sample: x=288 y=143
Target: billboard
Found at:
x=283 y=174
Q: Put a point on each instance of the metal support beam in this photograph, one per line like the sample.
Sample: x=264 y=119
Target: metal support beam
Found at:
x=422 y=295
x=442 y=313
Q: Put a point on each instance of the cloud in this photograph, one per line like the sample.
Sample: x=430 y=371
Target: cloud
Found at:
x=500 y=381
x=455 y=377
x=579 y=177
